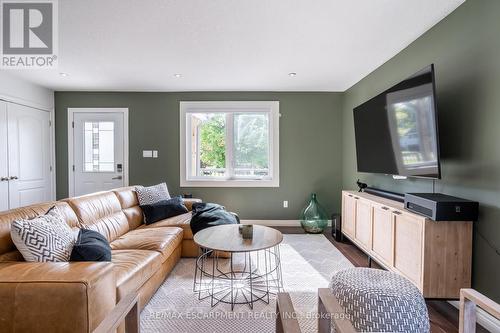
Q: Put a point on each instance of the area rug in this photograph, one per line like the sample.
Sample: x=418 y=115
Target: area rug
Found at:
x=308 y=263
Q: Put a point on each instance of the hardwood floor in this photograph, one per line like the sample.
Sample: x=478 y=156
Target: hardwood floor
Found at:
x=443 y=316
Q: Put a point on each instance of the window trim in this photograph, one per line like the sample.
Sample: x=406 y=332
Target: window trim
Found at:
x=271 y=107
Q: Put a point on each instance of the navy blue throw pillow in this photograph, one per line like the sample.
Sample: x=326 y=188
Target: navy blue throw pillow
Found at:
x=163 y=210
x=91 y=246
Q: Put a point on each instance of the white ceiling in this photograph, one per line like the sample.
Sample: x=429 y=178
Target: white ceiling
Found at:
x=231 y=45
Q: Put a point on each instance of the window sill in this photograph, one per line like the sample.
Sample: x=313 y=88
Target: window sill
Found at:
x=230 y=183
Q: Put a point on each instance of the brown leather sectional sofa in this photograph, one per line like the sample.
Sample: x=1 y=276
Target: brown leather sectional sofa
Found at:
x=77 y=296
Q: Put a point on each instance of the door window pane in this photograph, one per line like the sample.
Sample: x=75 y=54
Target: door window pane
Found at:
x=251 y=145
x=99 y=146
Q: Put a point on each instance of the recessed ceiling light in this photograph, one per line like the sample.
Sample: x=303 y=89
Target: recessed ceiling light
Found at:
x=292 y=74
x=63 y=74
x=178 y=75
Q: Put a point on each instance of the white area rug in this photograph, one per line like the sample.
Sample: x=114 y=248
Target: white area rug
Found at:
x=308 y=262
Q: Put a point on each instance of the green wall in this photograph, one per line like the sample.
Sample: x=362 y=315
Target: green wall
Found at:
x=465 y=48
x=310 y=147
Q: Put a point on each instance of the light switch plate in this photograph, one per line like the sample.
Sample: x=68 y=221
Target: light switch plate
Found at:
x=147 y=153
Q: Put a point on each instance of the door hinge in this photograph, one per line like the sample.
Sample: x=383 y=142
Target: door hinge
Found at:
x=50 y=168
x=73 y=168
x=50 y=123
x=73 y=124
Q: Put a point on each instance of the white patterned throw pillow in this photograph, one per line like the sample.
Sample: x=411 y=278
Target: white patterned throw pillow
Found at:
x=46 y=238
x=152 y=194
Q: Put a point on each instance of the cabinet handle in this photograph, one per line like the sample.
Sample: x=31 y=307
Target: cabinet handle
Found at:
x=357 y=198
x=13 y=178
x=397 y=213
x=350 y=195
x=4 y=179
x=385 y=208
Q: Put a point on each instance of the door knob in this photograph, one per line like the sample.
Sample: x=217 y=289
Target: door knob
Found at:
x=117 y=178
x=13 y=178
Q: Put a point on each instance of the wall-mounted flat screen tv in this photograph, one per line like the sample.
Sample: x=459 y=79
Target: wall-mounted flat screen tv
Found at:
x=397 y=131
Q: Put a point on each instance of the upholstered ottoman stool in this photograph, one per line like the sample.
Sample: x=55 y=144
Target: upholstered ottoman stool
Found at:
x=380 y=301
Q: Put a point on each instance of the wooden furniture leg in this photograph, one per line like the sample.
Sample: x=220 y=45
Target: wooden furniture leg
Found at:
x=470 y=299
x=126 y=310
x=330 y=312
x=286 y=320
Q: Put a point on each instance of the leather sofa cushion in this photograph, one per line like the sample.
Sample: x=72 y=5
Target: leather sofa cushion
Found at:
x=87 y=273
x=11 y=256
x=130 y=206
x=6 y=245
x=133 y=268
x=162 y=240
x=100 y=212
x=127 y=196
x=181 y=221
x=134 y=216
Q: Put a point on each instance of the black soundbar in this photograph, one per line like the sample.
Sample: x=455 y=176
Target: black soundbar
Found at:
x=385 y=194
x=442 y=207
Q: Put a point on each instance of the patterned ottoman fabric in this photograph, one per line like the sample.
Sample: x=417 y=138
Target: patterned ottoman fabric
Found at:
x=380 y=301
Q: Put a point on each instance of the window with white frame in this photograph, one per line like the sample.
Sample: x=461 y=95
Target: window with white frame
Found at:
x=229 y=144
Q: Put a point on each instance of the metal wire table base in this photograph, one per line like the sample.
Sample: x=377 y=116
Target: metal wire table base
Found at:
x=243 y=278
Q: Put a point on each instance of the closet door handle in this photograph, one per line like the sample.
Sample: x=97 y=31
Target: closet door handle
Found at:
x=13 y=178
x=4 y=179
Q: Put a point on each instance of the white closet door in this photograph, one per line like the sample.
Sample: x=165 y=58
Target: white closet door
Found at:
x=4 y=164
x=29 y=155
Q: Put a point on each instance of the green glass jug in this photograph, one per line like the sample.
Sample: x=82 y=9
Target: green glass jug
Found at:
x=313 y=218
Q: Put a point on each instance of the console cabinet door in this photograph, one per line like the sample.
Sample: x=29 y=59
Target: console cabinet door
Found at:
x=383 y=233
x=408 y=246
x=348 y=214
x=363 y=222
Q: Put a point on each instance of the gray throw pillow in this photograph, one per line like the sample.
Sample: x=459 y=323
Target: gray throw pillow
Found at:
x=46 y=238
x=152 y=194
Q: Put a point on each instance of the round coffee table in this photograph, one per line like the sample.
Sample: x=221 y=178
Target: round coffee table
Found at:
x=234 y=270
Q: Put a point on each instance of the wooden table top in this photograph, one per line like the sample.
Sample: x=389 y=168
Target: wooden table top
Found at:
x=228 y=238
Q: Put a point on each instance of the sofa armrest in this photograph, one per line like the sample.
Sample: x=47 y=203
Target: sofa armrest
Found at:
x=55 y=297
x=188 y=202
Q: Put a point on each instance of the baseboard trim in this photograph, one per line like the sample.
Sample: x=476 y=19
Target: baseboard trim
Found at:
x=273 y=223
x=487 y=321
x=277 y=223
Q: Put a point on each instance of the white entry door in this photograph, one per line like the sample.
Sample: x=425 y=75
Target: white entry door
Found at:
x=4 y=164
x=99 y=150
x=29 y=151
